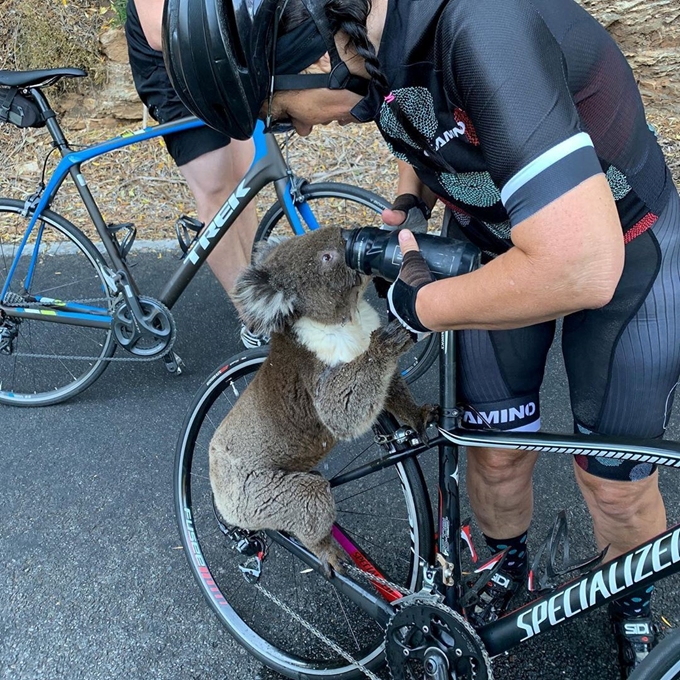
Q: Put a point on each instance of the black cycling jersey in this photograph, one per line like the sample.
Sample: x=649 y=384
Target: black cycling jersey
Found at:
x=524 y=100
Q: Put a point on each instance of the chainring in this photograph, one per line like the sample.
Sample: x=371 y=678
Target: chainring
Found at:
x=139 y=341
x=426 y=639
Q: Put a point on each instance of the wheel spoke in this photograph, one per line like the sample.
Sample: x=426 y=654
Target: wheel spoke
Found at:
x=67 y=266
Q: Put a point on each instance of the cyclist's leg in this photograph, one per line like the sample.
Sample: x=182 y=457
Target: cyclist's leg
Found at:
x=212 y=177
x=623 y=362
x=500 y=374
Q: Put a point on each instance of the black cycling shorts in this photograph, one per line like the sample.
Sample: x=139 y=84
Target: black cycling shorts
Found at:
x=155 y=90
x=622 y=361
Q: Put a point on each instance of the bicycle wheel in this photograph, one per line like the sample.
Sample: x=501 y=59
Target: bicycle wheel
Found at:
x=37 y=364
x=663 y=663
x=334 y=203
x=387 y=513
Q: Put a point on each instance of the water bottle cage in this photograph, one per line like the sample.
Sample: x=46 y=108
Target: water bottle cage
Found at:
x=187 y=230
x=125 y=244
x=549 y=567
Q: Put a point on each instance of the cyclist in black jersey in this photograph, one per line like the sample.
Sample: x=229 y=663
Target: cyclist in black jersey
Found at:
x=524 y=118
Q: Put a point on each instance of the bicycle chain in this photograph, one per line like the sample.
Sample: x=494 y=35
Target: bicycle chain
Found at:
x=317 y=633
x=350 y=568
x=37 y=305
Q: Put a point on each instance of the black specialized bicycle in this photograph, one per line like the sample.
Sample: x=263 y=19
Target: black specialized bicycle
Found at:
x=67 y=304
x=402 y=600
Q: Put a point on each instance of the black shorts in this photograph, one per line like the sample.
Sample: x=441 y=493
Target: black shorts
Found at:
x=622 y=361
x=155 y=90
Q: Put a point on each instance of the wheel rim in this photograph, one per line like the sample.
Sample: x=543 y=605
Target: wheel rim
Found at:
x=65 y=269
x=275 y=637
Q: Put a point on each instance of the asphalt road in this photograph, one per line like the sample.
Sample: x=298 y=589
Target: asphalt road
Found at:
x=94 y=584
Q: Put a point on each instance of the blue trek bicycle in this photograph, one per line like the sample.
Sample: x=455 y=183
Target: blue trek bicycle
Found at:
x=67 y=304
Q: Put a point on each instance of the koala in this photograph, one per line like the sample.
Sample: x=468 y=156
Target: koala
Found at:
x=331 y=370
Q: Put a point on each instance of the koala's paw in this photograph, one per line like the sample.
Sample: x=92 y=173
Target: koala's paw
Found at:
x=332 y=557
x=426 y=414
x=394 y=337
x=429 y=413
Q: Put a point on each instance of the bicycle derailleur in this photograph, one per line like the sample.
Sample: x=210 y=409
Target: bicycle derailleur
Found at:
x=251 y=544
x=9 y=330
x=426 y=639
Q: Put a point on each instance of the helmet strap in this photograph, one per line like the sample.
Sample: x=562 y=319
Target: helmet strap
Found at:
x=338 y=79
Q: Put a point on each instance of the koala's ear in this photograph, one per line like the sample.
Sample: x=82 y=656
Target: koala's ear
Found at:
x=261 y=249
x=264 y=308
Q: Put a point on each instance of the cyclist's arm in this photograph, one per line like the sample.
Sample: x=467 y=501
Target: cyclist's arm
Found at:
x=506 y=68
x=568 y=256
x=151 y=17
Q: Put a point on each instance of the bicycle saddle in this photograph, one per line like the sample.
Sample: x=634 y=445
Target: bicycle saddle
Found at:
x=38 y=78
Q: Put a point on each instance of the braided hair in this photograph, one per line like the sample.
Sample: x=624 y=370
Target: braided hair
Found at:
x=350 y=17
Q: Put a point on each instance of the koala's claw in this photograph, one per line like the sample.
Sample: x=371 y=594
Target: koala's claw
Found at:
x=430 y=413
x=395 y=335
x=427 y=413
x=332 y=557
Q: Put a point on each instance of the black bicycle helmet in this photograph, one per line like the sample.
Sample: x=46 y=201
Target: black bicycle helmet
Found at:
x=219 y=56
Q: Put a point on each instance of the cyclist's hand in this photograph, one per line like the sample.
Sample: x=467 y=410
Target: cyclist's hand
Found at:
x=409 y=212
x=413 y=275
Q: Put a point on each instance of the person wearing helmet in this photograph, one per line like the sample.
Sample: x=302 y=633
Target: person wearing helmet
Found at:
x=525 y=120
x=209 y=161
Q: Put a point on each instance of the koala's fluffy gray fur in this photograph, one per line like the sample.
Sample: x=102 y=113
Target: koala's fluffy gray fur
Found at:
x=331 y=370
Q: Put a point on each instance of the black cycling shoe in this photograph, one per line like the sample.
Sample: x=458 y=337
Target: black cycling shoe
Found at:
x=495 y=597
x=635 y=638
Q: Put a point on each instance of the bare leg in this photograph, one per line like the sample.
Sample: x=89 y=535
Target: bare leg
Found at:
x=500 y=489
x=212 y=177
x=624 y=514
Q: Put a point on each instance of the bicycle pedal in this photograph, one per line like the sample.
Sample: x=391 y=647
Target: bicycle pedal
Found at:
x=125 y=245
x=187 y=230
x=173 y=363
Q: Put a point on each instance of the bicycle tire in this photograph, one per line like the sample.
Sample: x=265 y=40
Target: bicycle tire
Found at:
x=277 y=641
x=663 y=662
x=357 y=208
x=68 y=267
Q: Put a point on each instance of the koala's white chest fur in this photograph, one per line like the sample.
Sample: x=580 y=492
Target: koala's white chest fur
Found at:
x=339 y=343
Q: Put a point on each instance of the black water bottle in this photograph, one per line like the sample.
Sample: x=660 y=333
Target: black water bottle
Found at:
x=376 y=251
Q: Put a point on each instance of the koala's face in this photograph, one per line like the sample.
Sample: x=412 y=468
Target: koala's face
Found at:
x=302 y=276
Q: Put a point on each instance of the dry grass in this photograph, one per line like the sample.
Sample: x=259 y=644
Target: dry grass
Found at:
x=42 y=32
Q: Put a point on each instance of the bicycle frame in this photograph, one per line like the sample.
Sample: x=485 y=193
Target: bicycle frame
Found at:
x=268 y=167
x=640 y=567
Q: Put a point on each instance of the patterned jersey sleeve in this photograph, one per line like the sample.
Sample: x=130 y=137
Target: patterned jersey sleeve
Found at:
x=503 y=65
